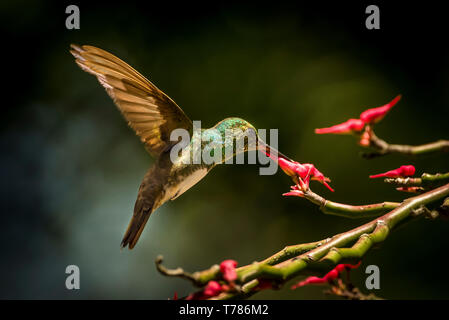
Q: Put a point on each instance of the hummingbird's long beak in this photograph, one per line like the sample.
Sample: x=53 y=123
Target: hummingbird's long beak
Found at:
x=270 y=151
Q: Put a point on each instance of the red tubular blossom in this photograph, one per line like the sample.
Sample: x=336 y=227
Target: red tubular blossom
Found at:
x=348 y=127
x=402 y=171
x=289 y=167
x=305 y=171
x=227 y=268
x=329 y=277
x=374 y=115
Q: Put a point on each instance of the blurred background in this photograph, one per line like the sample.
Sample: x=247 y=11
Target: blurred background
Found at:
x=70 y=167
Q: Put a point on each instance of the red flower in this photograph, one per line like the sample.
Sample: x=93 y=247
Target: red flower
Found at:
x=402 y=171
x=369 y=116
x=329 y=277
x=305 y=172
x=289 y=167
x=376 y=114
x=348 y=127
x=227 y=268
x=212 y=289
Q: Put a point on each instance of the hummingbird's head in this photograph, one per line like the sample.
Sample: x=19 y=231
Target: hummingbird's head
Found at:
x=239 y=132
x=240 y=136
x=234 y=124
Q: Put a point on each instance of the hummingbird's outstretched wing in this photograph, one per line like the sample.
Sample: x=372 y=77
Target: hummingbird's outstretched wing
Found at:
x=149 y=111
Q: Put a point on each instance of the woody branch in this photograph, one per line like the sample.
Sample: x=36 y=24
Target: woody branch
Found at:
x=299 y=259
x=382 y=147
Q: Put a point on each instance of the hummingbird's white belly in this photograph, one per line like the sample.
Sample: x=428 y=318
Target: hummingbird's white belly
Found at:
x=186 y=184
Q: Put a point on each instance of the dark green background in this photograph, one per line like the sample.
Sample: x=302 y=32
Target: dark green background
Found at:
x=71 y=168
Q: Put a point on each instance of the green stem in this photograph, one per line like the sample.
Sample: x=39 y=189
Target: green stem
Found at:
x=349 y=211
x=426 y=179
x=363 y=211
x=384 y=147
x=292 y=251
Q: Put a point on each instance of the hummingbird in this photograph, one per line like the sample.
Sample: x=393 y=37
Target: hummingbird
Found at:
x=153 y=116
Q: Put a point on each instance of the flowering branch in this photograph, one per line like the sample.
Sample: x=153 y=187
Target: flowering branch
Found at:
x=226 y=281
x=318 y=256
x=301 y=189
x=362 y=128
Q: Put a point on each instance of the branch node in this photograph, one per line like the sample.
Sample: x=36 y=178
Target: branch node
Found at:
x=366 y=235
x=310 y=257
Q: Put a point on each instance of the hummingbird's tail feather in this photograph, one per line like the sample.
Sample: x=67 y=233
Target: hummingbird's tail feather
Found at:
x=140 y=217
x=149 y=197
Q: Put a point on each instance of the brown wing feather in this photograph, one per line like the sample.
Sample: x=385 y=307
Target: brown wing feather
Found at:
x=149 y=111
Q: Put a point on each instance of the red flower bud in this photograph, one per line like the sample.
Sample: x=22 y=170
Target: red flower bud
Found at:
x=376 y=114
x=294 y=191
x=365 y=139
x=348 y=127
x=212 y=289
x=402 y=171
x=227 y=268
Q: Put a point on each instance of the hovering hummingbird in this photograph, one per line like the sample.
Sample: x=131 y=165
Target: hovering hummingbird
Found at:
x=153 y=116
